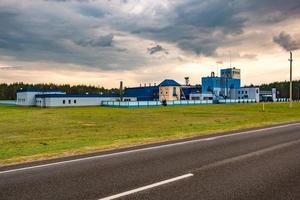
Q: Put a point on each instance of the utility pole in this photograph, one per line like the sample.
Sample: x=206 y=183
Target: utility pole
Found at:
x=291 y=79
x=121 y=90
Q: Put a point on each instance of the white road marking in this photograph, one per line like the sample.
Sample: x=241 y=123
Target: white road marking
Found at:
x=147 y=187
x=247 y=156
x=146 y=148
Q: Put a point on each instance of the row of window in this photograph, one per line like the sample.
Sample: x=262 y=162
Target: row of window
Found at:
x=69 y=101
x=244 y=97
x=21 y=100
x=239 y=92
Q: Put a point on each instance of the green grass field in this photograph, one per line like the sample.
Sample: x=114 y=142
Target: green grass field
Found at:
x=28 y=133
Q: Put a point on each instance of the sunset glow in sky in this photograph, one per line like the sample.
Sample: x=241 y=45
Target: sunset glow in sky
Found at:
x=101 y=42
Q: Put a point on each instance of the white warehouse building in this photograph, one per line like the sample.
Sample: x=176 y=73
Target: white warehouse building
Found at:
x=52 y=98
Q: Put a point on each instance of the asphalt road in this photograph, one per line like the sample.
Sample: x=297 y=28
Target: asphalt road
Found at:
x=254 y=164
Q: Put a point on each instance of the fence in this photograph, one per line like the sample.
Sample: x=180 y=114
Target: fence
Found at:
x=153 y=103
x=282 y=99
x=7 y=102
x=231 y=101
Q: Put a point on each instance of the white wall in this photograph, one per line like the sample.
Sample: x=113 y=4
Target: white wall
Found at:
x=26 y=98
x=72 y=101
x=245 y=93
x=201 y=96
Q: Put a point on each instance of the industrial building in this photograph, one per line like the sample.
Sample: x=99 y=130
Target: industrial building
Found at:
x=214 y=89
x=227 y=86
x=54 y=98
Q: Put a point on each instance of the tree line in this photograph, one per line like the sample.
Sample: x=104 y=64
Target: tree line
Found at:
x=283 y=88
x=8 y=91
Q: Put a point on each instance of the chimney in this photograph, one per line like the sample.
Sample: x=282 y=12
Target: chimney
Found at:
x=187 y=80
x=121 y=90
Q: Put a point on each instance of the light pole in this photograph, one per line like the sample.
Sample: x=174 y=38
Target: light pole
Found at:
x=291 y=79
x=298 y=92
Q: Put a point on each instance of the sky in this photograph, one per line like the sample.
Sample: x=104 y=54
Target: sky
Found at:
x=101 y=42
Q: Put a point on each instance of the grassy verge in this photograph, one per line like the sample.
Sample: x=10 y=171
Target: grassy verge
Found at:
x=32 y=133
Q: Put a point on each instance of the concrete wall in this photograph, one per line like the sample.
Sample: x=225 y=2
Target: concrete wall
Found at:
x=166 y=93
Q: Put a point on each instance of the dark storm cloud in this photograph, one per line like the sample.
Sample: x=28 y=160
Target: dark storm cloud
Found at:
x=287 y=42
x=204 y=26
x=76 y=32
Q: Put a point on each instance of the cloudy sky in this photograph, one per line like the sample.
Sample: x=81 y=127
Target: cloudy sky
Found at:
x=101 y=42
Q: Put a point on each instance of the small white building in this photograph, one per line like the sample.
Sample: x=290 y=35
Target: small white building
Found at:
x=52 y=98
x=26 y=97
x=71 y=100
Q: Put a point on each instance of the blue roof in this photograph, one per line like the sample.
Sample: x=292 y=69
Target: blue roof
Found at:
x=37 y=90
x=75 y=95
x=148 y=93
x=169 y=82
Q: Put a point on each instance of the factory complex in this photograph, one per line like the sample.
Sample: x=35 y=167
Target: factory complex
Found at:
x=225 y=88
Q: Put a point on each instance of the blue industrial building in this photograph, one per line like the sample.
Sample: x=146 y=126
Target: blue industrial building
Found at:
x=146 y=93
x=220 y=86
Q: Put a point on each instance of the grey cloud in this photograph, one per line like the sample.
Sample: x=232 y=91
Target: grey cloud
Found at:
x=102 y=41
x=47 y=35
x=156 y=49
x=287 y=42
x=91 y=11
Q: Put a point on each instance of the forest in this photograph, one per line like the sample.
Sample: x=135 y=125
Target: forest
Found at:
x=8 y=91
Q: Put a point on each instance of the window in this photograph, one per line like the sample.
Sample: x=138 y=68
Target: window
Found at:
x=246 y=92
x=242 y=92
x=75 y=101
x=64 y=101
x=174 y=91
x=69 y=101
x=239 y=92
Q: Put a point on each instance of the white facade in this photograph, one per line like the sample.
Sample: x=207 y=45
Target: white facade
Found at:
x=27 y=97
x=69 y=101
x=201 y=96
x=245 y=93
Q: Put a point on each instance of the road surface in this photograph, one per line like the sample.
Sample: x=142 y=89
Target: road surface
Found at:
x=254 y=164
